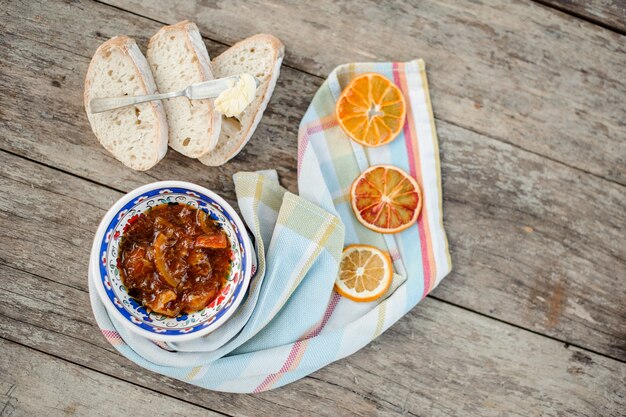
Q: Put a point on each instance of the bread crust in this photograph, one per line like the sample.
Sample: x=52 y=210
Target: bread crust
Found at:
x=129 y=47
x=279 y=53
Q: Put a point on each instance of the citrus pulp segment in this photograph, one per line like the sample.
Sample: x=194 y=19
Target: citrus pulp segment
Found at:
x=371 y=110
x=365 y=273
x=386 y=199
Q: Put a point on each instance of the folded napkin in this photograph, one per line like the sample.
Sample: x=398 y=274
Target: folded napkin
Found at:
x=292 y=322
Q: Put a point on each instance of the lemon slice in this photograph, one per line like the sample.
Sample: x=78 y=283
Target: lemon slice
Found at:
x=365 y=273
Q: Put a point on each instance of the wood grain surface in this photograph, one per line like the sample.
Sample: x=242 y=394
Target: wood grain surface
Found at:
x=511 y=70
x=420 y=366
x=494 y=193
x=608 y=13
x=532 y=131
x=41 y=385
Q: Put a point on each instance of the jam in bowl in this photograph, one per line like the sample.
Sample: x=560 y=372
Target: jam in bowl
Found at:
x=171 y=261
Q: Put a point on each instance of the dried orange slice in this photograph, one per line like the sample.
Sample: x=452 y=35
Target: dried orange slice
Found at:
x=365 y=273
x=386 y=199
x=371 y=110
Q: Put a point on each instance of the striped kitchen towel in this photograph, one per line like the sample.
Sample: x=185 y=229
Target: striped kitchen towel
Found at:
x=292 y=322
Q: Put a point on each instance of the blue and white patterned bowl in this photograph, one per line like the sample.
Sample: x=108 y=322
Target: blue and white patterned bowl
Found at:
x=106 y=275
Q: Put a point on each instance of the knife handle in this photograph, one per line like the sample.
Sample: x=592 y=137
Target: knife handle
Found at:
x=99 y=105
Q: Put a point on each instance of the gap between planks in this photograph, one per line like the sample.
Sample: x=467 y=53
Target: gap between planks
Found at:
x=112 y=376
x=160 y=22
x=52 y=167
x=516 y=146
x=581 y=16
x=376 y=399
x=566 y=344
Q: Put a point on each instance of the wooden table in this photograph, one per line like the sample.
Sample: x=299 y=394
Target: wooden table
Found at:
x=529 y=99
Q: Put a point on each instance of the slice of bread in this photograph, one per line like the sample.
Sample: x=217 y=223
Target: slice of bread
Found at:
x=261 y=56
x=135 y=135
x=178 y=57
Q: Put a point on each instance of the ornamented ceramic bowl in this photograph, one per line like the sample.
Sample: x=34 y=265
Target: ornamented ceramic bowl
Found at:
x=106 y=275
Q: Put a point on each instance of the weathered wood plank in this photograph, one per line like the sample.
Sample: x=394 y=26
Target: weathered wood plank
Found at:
x=534 y=243
x=439 y=360
x=516 y=71
x=608 y=13
x=35 y=384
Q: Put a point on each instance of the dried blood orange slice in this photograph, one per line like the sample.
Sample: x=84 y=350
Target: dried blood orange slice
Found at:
x=371 y=110
x=365 y=273
x=386 y=199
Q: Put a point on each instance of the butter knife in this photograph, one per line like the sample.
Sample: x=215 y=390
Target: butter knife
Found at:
x=206 y=89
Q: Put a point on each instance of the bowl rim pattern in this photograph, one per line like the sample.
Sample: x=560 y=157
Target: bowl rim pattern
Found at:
x=112 y=219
